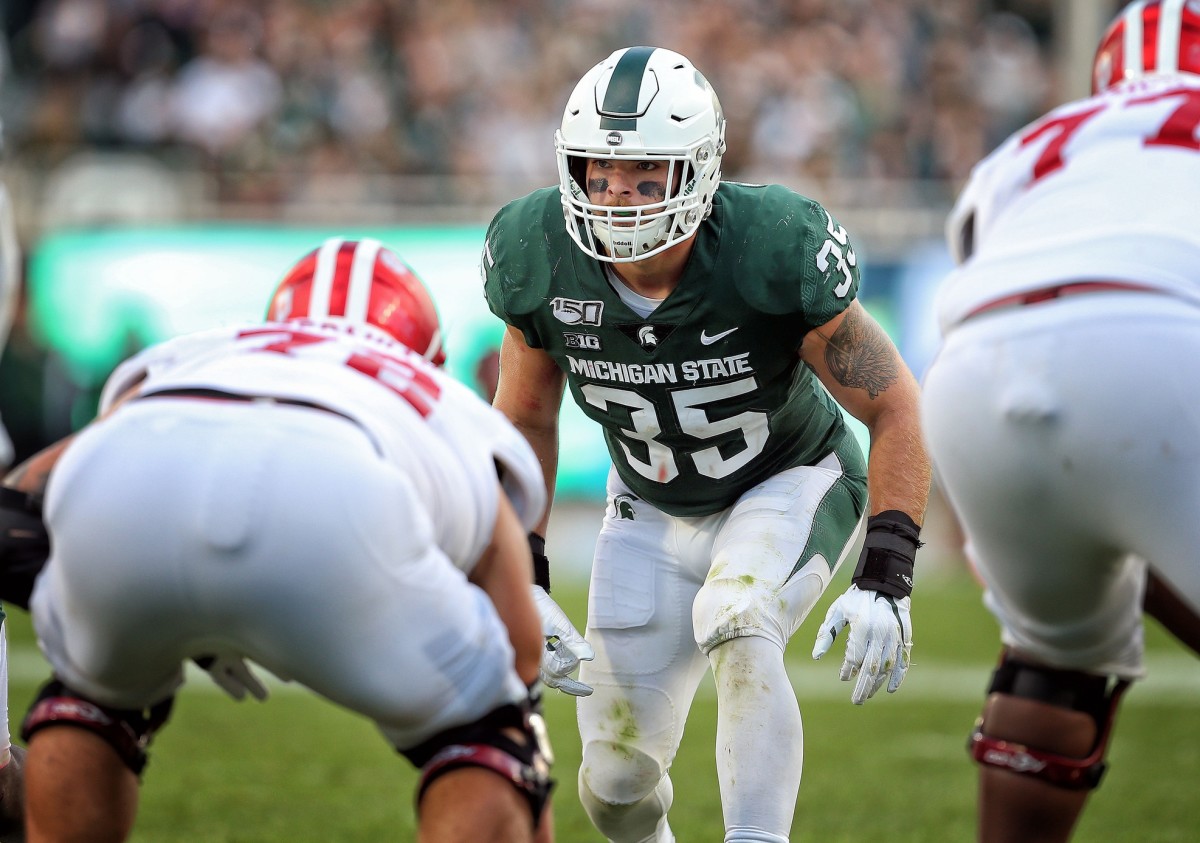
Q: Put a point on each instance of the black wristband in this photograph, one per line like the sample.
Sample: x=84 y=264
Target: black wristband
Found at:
x=889 y=549
x=541 y=565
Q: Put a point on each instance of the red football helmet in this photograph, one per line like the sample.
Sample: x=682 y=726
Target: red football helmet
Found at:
x=364 y=281
x=1149 y=37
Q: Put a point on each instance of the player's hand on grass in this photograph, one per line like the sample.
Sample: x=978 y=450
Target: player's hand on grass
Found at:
x=879 y=644
x=565 y=647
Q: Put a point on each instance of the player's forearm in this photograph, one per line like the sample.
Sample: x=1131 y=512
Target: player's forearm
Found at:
x=32 y=475
x=530 y=393
x=504 y=573
x=898 y=472
x=544 y=442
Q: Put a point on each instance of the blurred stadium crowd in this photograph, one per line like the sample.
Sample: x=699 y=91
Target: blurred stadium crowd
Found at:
x=317 y=101
x=389 y=112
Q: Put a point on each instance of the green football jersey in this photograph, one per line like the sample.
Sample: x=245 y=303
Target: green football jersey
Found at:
x=707 y=396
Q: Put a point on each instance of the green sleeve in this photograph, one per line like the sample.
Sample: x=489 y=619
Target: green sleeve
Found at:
x=802 y=260
x=518 y=258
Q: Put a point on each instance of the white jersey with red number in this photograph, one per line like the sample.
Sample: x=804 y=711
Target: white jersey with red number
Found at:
x=1104 y=188
x=445 y=438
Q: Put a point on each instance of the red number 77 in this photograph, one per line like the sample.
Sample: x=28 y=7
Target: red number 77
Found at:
x=1179 y=129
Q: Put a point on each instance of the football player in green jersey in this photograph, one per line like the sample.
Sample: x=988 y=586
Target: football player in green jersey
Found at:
x=712 y=330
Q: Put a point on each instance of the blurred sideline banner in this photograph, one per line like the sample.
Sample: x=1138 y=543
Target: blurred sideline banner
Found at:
x=98 y=295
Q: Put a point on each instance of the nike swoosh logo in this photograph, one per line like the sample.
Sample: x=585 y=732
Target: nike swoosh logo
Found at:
x=705 y=339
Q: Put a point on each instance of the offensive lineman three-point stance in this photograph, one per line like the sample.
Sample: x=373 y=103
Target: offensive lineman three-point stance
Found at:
x=1061 y=410
x=314 y=495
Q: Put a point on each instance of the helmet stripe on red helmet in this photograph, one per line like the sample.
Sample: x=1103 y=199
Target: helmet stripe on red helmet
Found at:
x=1149 y=38
x=323 y=276
x=1170 y=22
x=358 y=297
x=1165 y=45
x=1132 y=48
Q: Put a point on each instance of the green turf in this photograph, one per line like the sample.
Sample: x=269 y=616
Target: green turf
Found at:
x=895 y=769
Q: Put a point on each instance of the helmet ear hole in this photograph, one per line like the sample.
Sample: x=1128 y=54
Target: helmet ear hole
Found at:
x=577 y=166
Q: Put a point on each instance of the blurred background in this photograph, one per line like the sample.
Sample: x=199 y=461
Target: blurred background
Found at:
x=167 y=160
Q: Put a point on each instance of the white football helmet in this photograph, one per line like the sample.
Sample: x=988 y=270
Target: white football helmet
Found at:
x=640 y=103
x=1146 y=38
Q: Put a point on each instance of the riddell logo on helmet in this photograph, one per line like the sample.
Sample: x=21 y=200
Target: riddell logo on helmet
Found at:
x=614 y=139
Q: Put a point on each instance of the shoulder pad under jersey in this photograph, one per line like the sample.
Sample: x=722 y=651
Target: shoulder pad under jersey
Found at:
x=793 y=255
x=526 y=240
x=492 y=434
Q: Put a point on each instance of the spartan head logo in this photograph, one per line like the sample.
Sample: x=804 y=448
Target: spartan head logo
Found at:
x=622 y=508
x=646 y=336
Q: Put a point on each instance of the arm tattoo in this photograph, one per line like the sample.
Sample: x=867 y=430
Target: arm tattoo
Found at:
x=859 y=356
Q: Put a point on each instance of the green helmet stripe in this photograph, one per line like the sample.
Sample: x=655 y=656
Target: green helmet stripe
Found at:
x=620 y=108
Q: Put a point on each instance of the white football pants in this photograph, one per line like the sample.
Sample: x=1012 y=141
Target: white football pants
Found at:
x=1066 y=436
x=183 y=527
x=671 y=595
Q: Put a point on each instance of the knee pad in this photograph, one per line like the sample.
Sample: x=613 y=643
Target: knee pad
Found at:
x=1069 y=690
x=485 y=744
x=127 y=731
x=730 y=608
x=622 y=790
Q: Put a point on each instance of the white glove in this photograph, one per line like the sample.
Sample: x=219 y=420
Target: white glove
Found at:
x=565 y=647
x=233 y=676
x=879 y=646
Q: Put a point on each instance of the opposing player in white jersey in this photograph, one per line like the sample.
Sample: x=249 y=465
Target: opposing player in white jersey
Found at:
x=313 y=495
x=1060 y=410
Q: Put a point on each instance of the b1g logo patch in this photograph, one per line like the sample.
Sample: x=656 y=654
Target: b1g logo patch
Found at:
x=587 y=342
x=572 y=312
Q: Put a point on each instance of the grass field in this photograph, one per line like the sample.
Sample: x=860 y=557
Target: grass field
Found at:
x=296 y=769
